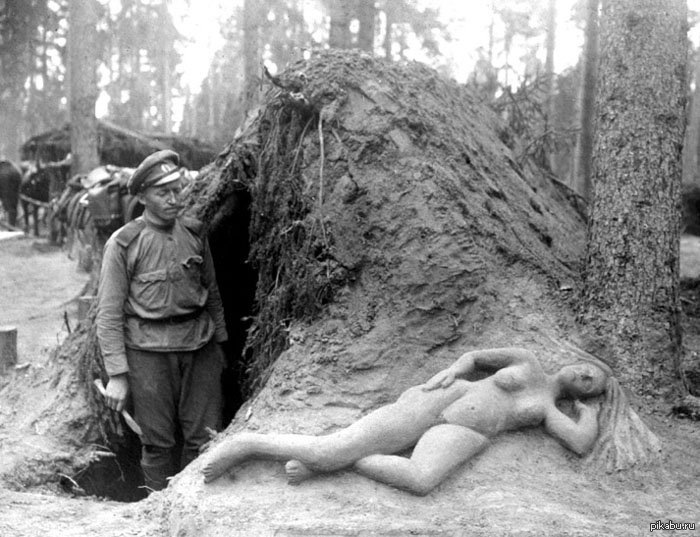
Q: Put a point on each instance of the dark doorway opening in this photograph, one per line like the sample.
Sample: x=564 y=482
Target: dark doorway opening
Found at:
x=230 y=245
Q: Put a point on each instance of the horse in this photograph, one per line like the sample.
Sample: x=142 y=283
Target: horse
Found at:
x=38 y=184
x=10 y=180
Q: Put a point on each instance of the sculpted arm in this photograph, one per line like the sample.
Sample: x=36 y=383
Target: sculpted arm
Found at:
x=578 y=436
x=479 y=359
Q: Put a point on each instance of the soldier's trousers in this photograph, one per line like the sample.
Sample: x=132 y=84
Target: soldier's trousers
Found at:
x=174 y=392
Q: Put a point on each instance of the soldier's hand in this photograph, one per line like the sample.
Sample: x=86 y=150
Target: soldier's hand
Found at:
x=116 y=392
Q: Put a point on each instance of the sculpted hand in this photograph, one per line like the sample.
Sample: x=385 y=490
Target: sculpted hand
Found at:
x=117 y=391
x=443 y=379
x=584 y=409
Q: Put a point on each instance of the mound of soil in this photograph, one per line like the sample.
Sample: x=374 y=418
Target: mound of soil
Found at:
x=420 y=237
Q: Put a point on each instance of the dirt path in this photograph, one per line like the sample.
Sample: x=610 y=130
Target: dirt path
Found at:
x=38 y=285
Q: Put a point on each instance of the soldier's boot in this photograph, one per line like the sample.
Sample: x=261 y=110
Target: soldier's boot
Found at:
x=157 y=467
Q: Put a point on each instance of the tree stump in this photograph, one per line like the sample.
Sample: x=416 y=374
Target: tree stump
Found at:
x=8 y=347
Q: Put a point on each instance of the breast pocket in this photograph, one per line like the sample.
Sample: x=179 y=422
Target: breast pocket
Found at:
x=151 y=289
x=190 y=291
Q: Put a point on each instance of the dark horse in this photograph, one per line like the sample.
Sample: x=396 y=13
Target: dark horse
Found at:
x=34 y=193
x=39 y=182
x=10 y=180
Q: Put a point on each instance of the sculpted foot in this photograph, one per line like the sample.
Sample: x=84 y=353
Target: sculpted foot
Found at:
x=215 y=469
x=222 y=460
x=297 y=472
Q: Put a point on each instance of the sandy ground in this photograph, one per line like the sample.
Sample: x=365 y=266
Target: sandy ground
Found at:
x=38 y=287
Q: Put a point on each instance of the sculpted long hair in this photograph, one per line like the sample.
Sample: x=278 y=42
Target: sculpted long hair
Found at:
x=623 y=439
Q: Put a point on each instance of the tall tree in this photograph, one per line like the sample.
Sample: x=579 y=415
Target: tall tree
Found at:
x=141 y=54
x=584 y=141
x=630 y=301
x=518 y=20
x=82 y=61
x=549 y=61
x=19 y=20
x=406 y=19
x=366 y=13
x=339 y=36
x=166 y=36
x=252 y=18
x=692 y=135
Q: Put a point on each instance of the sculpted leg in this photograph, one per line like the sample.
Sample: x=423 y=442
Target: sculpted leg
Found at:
x=317 y=453
x=437 y=454
x=386 y=430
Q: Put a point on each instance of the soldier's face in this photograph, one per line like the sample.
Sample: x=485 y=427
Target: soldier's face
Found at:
x=163 y=203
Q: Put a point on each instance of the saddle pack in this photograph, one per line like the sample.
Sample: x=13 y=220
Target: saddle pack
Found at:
x=109 y=201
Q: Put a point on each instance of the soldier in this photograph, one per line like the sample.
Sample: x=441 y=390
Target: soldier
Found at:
x=160 y=322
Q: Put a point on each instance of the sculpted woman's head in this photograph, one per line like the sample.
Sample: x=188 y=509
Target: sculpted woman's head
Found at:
x=582 y=380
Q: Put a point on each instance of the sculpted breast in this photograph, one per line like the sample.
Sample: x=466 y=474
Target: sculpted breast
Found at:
x=510 y=379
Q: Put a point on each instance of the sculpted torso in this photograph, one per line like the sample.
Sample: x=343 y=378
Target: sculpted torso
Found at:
x=509 y=399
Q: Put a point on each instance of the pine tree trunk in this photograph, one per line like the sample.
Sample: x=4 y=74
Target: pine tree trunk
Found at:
x=492 y=23
x=365 y=37
x=167 y=93
x=387 y=35
x=13 y=65
x=32 y=111
x=166 y=77
x=584 y=142
x=44 y=75
x=82 y=39
x=692 y=134
x=339 y=36
x=549 y=60
x=251 y=53
x=630 y=301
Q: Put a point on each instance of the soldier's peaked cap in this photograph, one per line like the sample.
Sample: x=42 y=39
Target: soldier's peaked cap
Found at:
x=157 y=169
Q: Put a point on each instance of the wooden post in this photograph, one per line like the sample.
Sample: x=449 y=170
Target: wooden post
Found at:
x=8 y=348
x=84 y=304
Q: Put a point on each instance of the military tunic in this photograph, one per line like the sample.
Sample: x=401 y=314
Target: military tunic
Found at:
x=159 y=319
x=157 y=293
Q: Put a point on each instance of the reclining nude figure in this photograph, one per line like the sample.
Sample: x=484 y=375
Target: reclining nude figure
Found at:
x=447 y=421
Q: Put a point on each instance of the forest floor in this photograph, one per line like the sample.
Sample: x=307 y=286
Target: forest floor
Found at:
x=38 y=287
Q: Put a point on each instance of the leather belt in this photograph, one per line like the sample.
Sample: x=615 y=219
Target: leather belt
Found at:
x=175 y=318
